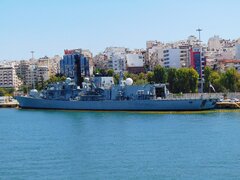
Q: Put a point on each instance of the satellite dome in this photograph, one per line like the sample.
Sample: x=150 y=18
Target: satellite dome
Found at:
x=33 y=93
x=129 y=81
x=86 y=79
x=68 y=80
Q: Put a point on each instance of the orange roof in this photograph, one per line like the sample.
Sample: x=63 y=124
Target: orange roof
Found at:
x=229 y=61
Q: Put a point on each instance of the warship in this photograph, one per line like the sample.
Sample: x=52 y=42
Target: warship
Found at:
x=102 y=94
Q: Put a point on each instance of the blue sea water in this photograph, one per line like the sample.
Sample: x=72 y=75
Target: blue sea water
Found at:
x=37 y=144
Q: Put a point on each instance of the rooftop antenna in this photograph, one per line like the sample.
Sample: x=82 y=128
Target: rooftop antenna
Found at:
x=32 y=52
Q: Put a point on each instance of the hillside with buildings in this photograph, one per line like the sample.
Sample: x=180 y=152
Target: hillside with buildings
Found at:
x=219 y=54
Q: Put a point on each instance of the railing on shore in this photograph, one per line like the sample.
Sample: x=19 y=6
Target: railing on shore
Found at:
x=205 y=95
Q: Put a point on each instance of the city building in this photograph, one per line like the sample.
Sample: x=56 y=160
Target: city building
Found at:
x=171 y=58
x=226 y=64
x=53 y=64
x=135 y=63
x=198 y=60
x=116 y=58
x=154 y=54
x=22 y=69
x=74 y=64
x=118 y=62
x=100 y=61
x=214 y=43
x=237 y=52
x=176 y=57
x=8 y=77
x=35 y=75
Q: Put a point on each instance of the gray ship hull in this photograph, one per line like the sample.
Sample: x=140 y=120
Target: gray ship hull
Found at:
x=114 y=105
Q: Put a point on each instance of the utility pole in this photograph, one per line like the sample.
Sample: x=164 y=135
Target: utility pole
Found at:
x=200 y=49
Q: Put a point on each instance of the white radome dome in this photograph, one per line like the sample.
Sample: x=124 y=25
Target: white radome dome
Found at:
x=86 y=79
x=68 y=80
x=129 y=81
x=33 y=93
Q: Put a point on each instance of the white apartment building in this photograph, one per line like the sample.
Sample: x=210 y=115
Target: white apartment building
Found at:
x=237 y=51
x=214 y=43
x=118 y=62
x=135 y=63
x=8 y=77
x=171 y=58
x=176 y=57
x=116 y=58
x=134 y=60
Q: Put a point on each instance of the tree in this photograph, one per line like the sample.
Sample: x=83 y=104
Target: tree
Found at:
x=215 y=80
x=193 y=80
x=207 y=78
x=172 y=79
x=150 y=77
x=24 y=88
x=182 y=81
x=116 y=78
x=54 y=79
x=230 y=80
x=186 y=80
x=110 y=72
x=160 y=74
x=6 y=91
x=103 y=72
x=3 y=92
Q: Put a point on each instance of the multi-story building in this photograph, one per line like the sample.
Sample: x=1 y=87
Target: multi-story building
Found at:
x=8 y=77
x=74 y=65
x=35 y=71
x=135 y=63
x=118 y=62
x=22 y=69
x=198 y=60
x=154 y=54
x=237 y=52
x=223 y=65
x=214 y=43
x=87 y=53
x=116 y=58
x=176 y=57
x=53 y=64
x=100 y=61
x=171 y=58
x=36 y=74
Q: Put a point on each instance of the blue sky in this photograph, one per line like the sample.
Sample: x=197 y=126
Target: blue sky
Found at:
x=50 y=26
